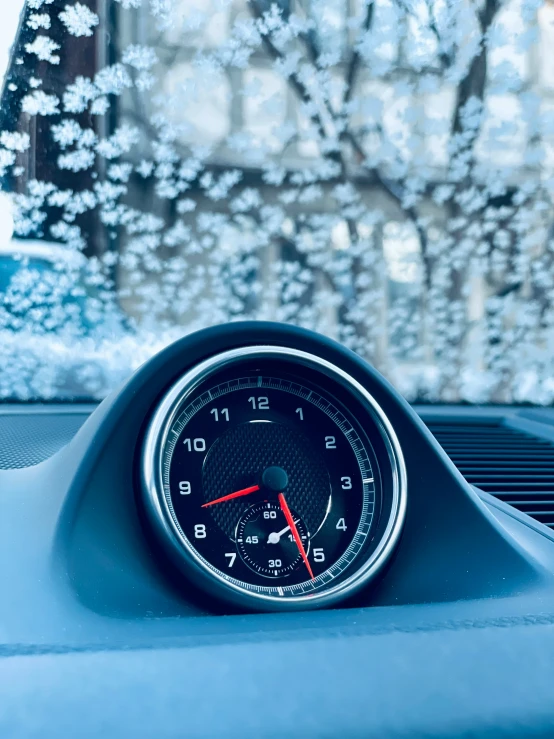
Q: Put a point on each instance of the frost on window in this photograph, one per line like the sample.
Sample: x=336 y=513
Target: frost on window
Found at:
x=79 y=20
x=381 y=171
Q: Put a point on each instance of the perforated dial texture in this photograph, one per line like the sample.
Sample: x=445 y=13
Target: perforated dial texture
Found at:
x=242 y=452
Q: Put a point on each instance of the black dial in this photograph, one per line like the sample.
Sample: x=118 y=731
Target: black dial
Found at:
x=225 y=439
x=266 y=542
x=271 y=479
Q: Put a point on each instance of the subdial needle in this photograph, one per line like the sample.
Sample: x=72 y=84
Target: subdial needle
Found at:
x=275 y=536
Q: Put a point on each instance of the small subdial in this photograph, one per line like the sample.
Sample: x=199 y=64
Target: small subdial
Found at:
x=265 y=541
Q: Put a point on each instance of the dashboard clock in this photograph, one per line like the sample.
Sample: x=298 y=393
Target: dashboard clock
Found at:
x=273 y=479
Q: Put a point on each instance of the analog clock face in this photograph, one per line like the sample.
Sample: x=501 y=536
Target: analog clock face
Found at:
x=270 y=474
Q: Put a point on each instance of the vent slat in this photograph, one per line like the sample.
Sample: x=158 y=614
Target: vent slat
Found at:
x=459 y=441
x=480 y=425
x=542 y=495
x=506 y=487
x=527 y=505
x=498 y=448
x=518 y=471
x=483 y=453
x=489 y=434
x=512 y=465
x=494 y=446
x=513 y=479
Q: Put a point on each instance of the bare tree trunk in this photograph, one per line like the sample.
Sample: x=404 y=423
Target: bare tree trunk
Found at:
x=471 y=88
x=78 y=57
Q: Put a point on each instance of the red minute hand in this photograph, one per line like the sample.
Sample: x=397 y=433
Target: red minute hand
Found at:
x=245 y=491
x=294 y=530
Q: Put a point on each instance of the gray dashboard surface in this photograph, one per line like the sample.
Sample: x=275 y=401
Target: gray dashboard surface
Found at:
x=477 y=667
x=449 y=679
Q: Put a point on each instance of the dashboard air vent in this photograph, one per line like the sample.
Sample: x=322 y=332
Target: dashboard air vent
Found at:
x=512 y=465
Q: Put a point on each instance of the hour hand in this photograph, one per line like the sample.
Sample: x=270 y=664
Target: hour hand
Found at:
x=237 y=494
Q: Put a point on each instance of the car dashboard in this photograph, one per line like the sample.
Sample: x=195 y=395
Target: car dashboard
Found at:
x=130 y=607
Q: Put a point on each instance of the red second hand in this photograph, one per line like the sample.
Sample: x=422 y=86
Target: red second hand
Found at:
x=294 y=530
x=245 y=491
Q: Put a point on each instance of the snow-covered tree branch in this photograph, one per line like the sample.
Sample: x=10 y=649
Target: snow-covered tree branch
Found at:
x=379 y=170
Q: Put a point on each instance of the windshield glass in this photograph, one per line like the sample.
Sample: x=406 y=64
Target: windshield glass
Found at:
x=381 y=171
